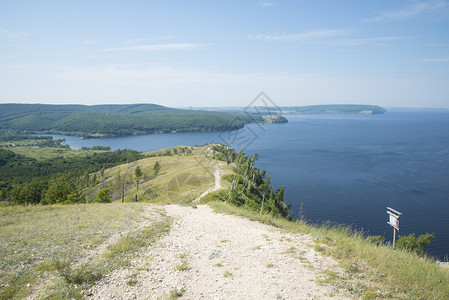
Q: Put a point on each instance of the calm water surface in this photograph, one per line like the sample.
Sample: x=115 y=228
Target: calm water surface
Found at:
x=344 y=168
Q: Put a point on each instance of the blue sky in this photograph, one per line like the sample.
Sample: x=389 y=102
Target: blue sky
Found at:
x=223 y=53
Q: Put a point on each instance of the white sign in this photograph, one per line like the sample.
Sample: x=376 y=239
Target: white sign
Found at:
x=394 y=222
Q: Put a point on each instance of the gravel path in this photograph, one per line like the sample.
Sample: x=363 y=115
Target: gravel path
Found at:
x=215 y=256
x=217 y=186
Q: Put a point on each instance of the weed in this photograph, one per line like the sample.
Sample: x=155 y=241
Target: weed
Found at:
x=184 y=265
x=175 y=293
x=227 y=274
x=132 y=281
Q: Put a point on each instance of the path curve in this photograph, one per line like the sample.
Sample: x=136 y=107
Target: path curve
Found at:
x=217 y=186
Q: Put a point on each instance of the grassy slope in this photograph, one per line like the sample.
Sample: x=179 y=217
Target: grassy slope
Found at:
x=182 y=177
x=367 y=271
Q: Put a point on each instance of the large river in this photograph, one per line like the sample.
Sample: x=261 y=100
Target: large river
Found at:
x=344 y=168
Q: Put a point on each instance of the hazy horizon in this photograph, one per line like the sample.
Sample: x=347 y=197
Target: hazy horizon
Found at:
x=221 y=54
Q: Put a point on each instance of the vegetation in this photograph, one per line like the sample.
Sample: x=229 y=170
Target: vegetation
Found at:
x=113 y=120
x=365 y=271
x=41 y=242
x=334 y=109
x=26 y=180
x=413 y=244
x=250 y=187
x=368 y=267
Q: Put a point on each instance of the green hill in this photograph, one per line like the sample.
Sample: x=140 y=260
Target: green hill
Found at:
x=335 y=109
x=113 y=120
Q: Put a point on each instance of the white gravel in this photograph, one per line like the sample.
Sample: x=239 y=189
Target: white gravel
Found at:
x=228 y=257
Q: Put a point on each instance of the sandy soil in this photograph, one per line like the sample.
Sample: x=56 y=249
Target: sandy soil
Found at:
x=225 y=257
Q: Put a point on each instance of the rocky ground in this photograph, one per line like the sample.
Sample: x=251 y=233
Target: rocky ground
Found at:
x=215 y=256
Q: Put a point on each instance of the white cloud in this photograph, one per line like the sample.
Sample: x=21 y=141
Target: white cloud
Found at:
x=267 y=4
x=141 y=40
x=372 y=41
x=155 y=47
x=305 y=36
x=416 y=9
x=12 y=34
x=330 y=37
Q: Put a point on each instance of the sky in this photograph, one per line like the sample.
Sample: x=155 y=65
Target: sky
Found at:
x=224 y=53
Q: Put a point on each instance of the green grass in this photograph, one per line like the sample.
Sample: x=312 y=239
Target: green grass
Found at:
x=31 y=148
x=38 y=242
x=175 y=293
x=366 y=270
x=182 y=178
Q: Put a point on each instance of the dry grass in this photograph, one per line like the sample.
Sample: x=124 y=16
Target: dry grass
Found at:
x=182 y=177
x=36 y=240
x=365 y=270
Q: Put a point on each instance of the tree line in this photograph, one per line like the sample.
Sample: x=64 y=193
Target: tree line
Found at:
x=25 y=180
x=250 y=187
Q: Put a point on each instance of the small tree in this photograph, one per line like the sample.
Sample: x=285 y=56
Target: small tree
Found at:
x=103 y=196
x=61 y=190
x=138 y=173
x=156 y=169
x=413 y=244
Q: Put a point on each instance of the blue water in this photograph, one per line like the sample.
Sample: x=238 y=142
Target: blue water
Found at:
x=344 y=168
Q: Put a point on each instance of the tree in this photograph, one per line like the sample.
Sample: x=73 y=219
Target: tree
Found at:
x=138 y=172
x=61 y=190
x=156 y=169
x=103 y=196
x=413 y=244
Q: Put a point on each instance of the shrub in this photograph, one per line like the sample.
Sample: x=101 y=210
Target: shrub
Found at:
x=413 y=244
x=104 y=196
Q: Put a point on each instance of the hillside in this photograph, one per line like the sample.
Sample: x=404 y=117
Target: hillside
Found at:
x=236 y=246
x=113 y=120
x=334 y=109
x=311 y=109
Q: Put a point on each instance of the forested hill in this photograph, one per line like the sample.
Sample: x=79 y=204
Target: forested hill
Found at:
x=113 y=120
x=334 y=109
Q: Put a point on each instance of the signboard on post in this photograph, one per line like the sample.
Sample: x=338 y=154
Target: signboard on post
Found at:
x=394 y=222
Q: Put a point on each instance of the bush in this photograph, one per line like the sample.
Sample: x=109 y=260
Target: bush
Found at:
x=61 y=191
x=104 y=196
x=412 y=244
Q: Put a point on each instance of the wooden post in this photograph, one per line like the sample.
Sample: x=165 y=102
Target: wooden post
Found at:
x=394 y=222
x=394 y=238
x=123 y=190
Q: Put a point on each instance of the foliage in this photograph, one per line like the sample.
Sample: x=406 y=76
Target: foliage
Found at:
x=138 y=172
x=412 y=244
x=250 y=187
x=156 y=169
x=61 y=191
x=104 y=148
x=23 y=179
x=103 y=196
x=113 y=120
x=335 y=109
